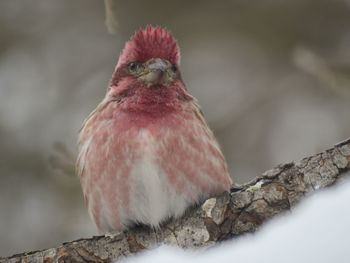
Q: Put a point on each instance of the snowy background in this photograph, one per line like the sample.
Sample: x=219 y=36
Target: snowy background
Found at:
x=272 y=78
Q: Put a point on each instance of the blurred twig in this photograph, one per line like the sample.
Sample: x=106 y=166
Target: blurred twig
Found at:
x=315 y=65
x=111 y=16
x=62 y=159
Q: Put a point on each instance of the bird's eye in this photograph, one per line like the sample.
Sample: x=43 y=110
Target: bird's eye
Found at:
x=174 y=68
x=133 y=67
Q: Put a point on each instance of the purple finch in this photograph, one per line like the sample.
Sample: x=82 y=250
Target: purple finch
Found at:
x=146 y=153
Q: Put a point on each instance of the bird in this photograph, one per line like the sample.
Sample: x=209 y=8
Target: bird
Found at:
x=146 y=153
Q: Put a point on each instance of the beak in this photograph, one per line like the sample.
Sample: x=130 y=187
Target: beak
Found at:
x=158 y=65
x=157 y=72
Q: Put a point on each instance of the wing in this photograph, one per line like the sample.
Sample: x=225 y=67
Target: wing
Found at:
x=85 y=136
x=88 y=129
x=192 y=158
x=96 y=172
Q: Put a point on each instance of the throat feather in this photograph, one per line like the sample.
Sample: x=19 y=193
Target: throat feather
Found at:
x=156 y=101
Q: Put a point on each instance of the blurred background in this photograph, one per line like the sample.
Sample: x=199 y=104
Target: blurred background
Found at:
x=273 y=79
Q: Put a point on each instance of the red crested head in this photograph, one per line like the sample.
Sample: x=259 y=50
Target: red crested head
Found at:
x=148 y=43
x=147 y=77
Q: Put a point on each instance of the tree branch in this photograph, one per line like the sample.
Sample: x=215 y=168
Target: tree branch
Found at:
x=242 y=210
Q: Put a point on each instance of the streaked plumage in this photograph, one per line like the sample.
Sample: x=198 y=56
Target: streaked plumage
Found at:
x=146 y=153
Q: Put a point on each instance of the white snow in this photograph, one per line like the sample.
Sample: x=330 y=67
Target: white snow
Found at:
x=317 y=231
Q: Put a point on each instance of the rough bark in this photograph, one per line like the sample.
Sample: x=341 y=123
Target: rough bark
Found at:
x=242 y=210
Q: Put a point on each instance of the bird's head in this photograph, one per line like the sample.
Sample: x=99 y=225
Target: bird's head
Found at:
x=150 y=59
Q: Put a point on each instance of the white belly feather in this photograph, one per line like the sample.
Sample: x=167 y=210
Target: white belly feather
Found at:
x=152 y=198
